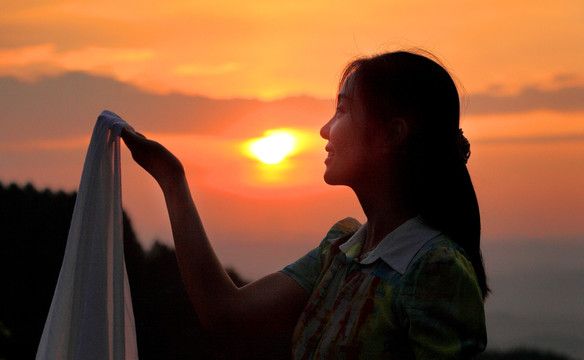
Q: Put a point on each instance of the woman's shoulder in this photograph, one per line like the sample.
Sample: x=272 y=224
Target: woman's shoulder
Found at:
x=338 y=234
x=342 y=228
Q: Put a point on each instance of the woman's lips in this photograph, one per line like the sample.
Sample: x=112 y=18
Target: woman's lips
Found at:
x=330 y=154
x=329 y=150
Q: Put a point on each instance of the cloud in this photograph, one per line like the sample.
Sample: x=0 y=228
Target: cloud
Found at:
x=30 y=61
x=26 y=55
x=291 y=48
x=34 y=27
x=45 y=145
x=539 y=139
x=197 y=69
x=564 y=99
x=67 y=105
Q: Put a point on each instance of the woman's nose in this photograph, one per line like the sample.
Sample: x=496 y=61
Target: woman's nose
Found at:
x=324 y=131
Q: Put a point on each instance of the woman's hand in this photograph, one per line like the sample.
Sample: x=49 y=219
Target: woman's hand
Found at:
x=154 y=158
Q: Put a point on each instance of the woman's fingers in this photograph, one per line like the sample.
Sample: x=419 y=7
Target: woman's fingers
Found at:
x=139 y=145
x=131 y=137
x=152 y=156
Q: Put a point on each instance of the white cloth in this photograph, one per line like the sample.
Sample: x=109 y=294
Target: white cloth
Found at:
x=91 y=314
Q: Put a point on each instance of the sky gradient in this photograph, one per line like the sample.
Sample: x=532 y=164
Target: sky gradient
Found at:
x=271 y=49
x=204 y=78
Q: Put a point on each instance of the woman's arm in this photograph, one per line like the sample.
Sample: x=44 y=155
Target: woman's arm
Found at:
x=271 y=304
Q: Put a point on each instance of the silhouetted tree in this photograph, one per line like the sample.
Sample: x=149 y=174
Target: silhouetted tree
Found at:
x=34 y=226
x=34 y=229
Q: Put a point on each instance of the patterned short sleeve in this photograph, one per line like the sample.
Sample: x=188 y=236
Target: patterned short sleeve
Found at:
x=307 y=270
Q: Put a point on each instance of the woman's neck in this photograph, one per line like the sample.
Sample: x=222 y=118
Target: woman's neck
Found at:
x=385 y=211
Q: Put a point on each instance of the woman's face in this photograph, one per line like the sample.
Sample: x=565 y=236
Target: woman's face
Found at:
x=353 y=147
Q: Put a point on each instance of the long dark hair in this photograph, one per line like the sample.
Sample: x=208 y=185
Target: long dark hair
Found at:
x=437 y=184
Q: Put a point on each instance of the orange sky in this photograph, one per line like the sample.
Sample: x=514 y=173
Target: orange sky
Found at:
x=520 y=63
x=273 y=48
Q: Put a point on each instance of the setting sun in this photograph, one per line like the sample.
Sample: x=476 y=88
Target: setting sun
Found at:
x=274 y=147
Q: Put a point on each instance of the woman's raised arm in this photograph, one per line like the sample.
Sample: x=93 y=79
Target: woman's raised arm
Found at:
x=271 y=304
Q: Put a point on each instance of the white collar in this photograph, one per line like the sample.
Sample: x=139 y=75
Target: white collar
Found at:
x=397 y=248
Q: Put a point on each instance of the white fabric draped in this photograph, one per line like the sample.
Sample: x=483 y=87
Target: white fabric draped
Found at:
x=91 y=314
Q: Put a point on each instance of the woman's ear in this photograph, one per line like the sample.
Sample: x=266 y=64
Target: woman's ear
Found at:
x=397 y=130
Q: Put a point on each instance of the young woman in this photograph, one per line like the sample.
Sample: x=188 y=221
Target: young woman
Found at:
x=407 y=284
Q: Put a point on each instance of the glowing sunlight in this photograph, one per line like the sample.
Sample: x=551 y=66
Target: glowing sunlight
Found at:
x=274 y=147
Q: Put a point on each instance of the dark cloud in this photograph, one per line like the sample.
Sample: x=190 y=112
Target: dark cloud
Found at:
x=565 y=99
x=545 y=139
x=67 y=106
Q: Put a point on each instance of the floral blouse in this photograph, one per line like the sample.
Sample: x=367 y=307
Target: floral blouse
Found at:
x=415 y=296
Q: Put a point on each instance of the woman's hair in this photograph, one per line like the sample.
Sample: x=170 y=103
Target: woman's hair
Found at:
x=436 y=181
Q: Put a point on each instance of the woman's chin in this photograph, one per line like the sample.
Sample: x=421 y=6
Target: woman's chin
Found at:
x=327 y=178
x=331 y=179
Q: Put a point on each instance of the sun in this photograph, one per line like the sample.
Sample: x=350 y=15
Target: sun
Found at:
x=273 y=147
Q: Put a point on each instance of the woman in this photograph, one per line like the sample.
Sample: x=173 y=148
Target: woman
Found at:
x=407 y=284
